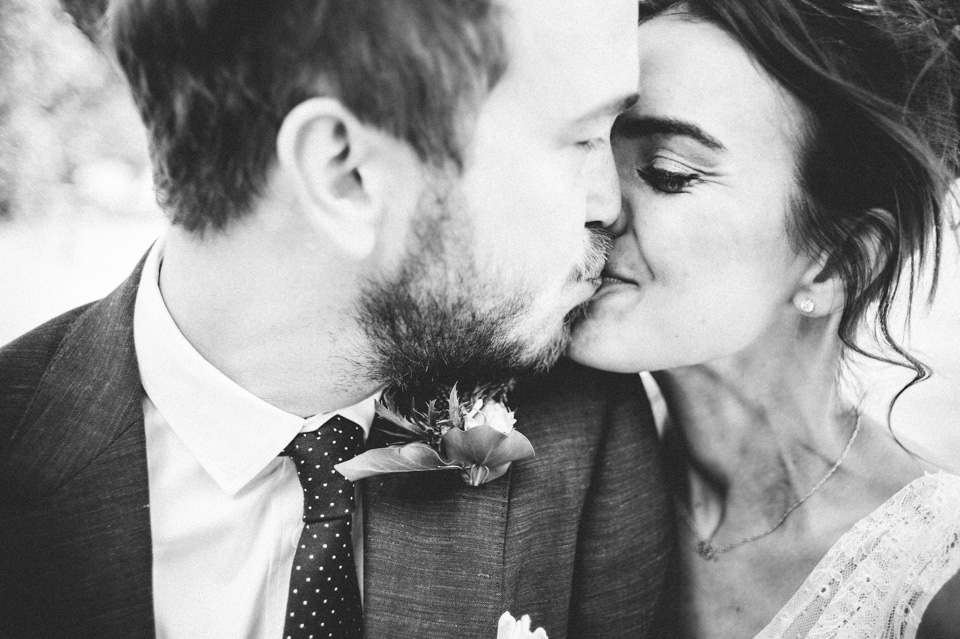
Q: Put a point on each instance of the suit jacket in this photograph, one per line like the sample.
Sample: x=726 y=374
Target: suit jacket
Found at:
x=577 y=537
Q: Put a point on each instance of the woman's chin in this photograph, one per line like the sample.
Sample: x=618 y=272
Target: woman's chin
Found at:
x=601 y=338
x=625 y=342
x=592 y=346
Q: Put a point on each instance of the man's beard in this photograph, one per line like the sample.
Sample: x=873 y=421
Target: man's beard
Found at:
x=438 y=321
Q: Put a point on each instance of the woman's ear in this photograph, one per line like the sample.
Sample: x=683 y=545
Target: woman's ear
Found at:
x=323 y=148
x=820 y=291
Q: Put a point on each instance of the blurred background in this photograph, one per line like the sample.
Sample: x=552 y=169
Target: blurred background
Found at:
x=76 y=205
x=77 y=210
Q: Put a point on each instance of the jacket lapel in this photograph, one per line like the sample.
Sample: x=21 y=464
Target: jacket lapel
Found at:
x=90 y=394
x=433 y=555
x=84 y=482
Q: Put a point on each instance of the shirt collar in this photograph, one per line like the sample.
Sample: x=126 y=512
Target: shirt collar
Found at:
x=232 y=433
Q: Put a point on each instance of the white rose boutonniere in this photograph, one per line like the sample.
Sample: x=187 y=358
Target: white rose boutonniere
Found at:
x=474 y=435
x=493 y=414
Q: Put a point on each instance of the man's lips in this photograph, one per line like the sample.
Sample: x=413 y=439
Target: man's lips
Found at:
x=610 y=277
x=595 y=278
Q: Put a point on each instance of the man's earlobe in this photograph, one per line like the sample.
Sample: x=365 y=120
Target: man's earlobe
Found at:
x=321 y=148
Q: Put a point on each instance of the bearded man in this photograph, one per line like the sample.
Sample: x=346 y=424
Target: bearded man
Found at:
x=364 y=195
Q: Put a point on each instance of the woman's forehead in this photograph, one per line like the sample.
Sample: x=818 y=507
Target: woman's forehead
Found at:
x=694 y=71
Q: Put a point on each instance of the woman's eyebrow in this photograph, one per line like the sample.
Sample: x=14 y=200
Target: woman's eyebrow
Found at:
x=632 y=126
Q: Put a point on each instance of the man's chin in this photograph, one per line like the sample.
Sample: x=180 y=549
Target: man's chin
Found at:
x=547 y=355
x=544 y=354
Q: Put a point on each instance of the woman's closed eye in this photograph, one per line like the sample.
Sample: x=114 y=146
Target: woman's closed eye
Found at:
x=667 y=176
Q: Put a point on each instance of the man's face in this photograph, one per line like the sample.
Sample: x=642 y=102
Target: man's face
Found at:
x=504 y=254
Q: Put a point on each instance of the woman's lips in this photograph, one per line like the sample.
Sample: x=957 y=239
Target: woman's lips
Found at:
x=610 y=279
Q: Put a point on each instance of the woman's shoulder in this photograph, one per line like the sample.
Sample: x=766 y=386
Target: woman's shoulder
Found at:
x=921 y=522
x=934 y=496
x=924 y=519
x=922 y=512
x=879 y=578
x=938 y=500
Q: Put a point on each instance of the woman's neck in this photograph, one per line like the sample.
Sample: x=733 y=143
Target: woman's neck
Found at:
x=751 y=434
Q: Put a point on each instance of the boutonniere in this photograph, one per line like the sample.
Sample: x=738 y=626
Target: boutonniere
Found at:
x=472 y=433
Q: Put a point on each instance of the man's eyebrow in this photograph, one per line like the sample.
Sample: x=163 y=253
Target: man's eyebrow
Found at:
x=614 y=107
x=634 y=127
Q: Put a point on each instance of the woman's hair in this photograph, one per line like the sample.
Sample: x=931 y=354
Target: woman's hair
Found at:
x=879 y=81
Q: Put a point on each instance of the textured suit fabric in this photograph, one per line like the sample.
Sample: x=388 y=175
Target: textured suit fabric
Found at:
x=577 y=537
x=75 y=545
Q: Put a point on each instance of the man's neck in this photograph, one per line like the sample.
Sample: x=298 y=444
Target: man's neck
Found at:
x=271 y=320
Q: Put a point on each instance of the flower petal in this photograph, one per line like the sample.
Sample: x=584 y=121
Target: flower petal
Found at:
x=472 y=446
x=485 y=446
x=498 y=417
x=393 y=459
x=513 y=447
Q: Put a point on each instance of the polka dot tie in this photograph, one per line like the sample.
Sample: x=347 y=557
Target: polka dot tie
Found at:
x=324 y=597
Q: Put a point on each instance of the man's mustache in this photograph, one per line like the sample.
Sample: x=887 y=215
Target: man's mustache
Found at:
x=598 y=249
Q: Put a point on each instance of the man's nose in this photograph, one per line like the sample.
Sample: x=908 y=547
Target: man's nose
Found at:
x=603 y=196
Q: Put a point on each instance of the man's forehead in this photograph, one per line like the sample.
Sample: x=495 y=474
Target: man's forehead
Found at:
x=593 y=26
x=583 y=48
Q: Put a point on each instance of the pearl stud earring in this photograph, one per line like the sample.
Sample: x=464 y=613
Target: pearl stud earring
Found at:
x=807 y=306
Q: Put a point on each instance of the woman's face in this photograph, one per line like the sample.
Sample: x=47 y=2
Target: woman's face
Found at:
x=707 y=163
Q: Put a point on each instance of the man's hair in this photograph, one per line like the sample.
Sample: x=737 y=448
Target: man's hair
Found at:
x=214 y=79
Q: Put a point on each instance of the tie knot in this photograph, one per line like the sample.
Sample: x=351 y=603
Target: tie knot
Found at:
x=326 y=493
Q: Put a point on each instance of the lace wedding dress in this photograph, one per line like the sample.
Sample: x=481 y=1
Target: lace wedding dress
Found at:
x=879 y=577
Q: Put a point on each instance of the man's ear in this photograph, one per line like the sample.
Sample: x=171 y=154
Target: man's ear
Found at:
x=323 y=148
x=820 y=291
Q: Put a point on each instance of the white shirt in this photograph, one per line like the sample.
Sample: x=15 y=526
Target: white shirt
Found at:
x=225 y=510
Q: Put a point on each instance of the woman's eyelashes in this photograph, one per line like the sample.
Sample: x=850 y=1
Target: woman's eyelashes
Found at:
x=667 y=176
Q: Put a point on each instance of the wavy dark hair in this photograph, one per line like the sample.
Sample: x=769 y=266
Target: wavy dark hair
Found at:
x=879 y=81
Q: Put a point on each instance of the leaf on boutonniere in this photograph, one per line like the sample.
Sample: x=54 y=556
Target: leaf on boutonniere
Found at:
x=453 y=408
x=403 y=458
x=483 y=452
x=392 y=416
x=395 y=426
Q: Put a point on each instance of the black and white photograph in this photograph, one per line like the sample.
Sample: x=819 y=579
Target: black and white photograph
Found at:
x=479 y=319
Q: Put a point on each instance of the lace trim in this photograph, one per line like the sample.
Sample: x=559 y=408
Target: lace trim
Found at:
x=879 y=577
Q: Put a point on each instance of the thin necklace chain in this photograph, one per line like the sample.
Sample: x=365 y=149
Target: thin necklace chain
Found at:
x=708 y=550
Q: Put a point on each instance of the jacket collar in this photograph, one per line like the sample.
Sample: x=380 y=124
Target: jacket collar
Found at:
x=89 y=396
x=79 y=458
